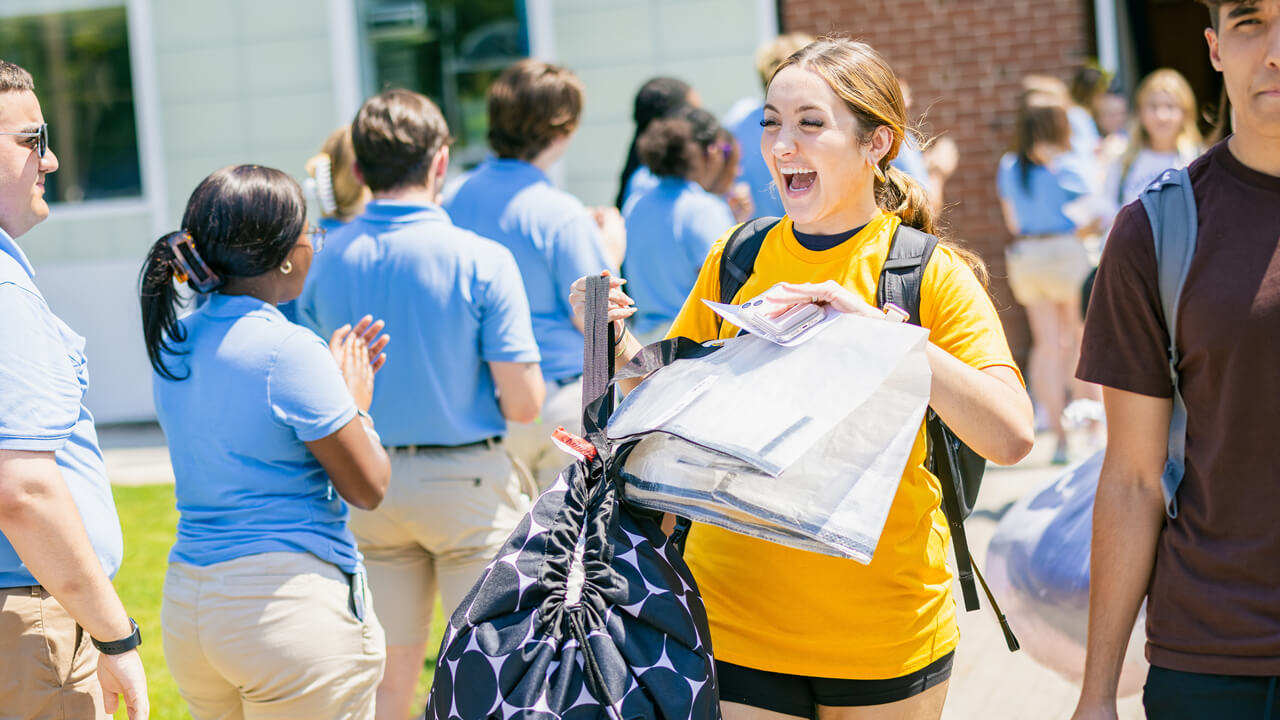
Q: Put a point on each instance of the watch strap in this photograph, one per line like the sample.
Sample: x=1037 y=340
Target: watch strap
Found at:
x=118 y=647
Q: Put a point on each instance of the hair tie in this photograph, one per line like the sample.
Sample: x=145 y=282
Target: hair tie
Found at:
x=189 y=267
x=323 y=188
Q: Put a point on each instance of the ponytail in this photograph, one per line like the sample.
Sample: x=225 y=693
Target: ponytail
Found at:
x=159 y=299
x=901 y=195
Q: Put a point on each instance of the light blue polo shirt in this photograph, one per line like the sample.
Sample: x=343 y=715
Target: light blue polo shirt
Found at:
x=670 y=230
x=258 y=387
x=641 y=181
x=43 y=379
x=754 y=170
x=554 y=240
x=1038 y=204
x=453 y=302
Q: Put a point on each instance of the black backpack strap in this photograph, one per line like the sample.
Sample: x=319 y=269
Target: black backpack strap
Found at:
x=900 y=281
x=903 y=271
x=738 y=260
x=597 y=355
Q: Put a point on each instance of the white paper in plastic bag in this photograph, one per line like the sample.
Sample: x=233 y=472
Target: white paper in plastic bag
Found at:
x=804 y=446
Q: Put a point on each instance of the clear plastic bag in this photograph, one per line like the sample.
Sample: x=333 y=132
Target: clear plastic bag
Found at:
x=1038 y=563
x=802 y=445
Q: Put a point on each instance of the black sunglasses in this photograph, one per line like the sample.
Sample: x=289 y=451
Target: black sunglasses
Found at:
x=42 y=145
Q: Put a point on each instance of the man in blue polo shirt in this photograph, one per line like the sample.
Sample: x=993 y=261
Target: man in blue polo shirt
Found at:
x=59 y=534
x=466 y=362
x=534 y=109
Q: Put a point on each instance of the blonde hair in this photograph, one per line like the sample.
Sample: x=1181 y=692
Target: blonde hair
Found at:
x=1189 y=141
x=866 y=83
x=771 y=55
x=349 y=194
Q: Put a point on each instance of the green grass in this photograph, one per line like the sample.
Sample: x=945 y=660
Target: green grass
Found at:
x=150 y=520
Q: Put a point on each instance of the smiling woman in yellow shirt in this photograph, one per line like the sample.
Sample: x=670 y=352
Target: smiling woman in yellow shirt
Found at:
x=797 y=634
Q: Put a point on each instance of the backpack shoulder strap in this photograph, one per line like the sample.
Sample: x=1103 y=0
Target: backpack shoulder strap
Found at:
x=903 y=271
x=1171 y=210
x=738 y=260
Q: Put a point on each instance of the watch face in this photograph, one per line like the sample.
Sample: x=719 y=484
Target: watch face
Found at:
x=117 y=647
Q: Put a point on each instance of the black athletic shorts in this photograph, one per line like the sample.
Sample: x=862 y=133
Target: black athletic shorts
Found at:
x=800 y=695
x=1177 y=695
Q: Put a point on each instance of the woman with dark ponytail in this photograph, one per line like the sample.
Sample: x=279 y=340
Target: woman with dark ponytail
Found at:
x=265 y=608
x=856 y=641
x=673 y=224
x=658 y=98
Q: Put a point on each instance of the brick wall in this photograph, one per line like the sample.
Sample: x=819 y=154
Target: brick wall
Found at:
x=964 y=60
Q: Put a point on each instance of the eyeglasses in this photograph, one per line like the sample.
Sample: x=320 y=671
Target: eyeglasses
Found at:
x=42 y=145
x=316 y=234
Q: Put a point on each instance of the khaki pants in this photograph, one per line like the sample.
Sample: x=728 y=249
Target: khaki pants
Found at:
x=530 y=443
x=446 y=514
x=271 y=635
x=48 y=666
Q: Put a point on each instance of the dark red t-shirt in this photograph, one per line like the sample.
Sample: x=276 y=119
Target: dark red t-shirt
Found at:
x=1214 y=600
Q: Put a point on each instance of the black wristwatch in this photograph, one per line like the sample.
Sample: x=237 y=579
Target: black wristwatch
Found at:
x=119 y=647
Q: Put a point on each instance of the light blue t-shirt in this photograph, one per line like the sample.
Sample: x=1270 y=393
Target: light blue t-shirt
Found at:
x=910 y=160
x=554 y=240
x=453 y=302
x=754 y=170
x=257 y=388
x=43 y=379
x=641 y=181
x=1038 y=204
x=670 y=230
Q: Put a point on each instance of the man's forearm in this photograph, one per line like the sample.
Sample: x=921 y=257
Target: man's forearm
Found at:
x=39 y=518
x=1127 y=518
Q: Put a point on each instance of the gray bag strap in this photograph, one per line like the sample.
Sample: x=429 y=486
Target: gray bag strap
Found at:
x=1171 y=210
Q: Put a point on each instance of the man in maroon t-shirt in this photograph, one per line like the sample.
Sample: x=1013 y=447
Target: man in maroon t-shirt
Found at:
x=1211 y=573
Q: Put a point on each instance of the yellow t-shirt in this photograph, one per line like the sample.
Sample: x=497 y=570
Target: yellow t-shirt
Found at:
x=784 y=610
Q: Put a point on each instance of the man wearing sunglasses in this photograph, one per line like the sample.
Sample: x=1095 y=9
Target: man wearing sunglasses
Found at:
x=59 y=533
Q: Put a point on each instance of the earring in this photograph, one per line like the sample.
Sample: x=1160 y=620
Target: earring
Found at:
x=879 y=173
x=287 y=267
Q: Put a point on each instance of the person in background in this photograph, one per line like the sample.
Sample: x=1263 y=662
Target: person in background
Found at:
x=657 y=98
x=332 y=182
x=1083 y=139
x=1164 y=135
x=744 y=121
x=833 y=122
x=265 y=612
x=1203 y=553
x=673 y=225
x=466 y=364
x=534 y=108
x=1111 y=113
x=337 y=187
x=1045 y=197
x=60 y=540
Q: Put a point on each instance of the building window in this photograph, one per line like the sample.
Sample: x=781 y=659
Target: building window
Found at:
x=80 y=63
x=448 y=50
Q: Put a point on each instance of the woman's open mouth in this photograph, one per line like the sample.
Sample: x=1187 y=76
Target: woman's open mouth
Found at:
x=798 y=180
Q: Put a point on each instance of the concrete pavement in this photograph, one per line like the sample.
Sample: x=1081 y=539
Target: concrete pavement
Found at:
x=988 y=682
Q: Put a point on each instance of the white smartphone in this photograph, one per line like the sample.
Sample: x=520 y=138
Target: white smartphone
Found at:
x=792 y=322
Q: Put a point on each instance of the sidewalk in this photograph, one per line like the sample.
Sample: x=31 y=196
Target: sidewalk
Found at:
x=988 y=683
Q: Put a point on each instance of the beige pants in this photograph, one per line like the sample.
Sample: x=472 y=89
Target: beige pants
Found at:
x=1047 y=269
x=271 y=635
x=48 y=666
x=530 y=443
x=445 y=516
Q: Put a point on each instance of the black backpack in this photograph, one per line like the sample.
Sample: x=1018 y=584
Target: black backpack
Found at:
x=958 y=468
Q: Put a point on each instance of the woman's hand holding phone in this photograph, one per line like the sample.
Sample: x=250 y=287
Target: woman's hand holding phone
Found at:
x=785 y=296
